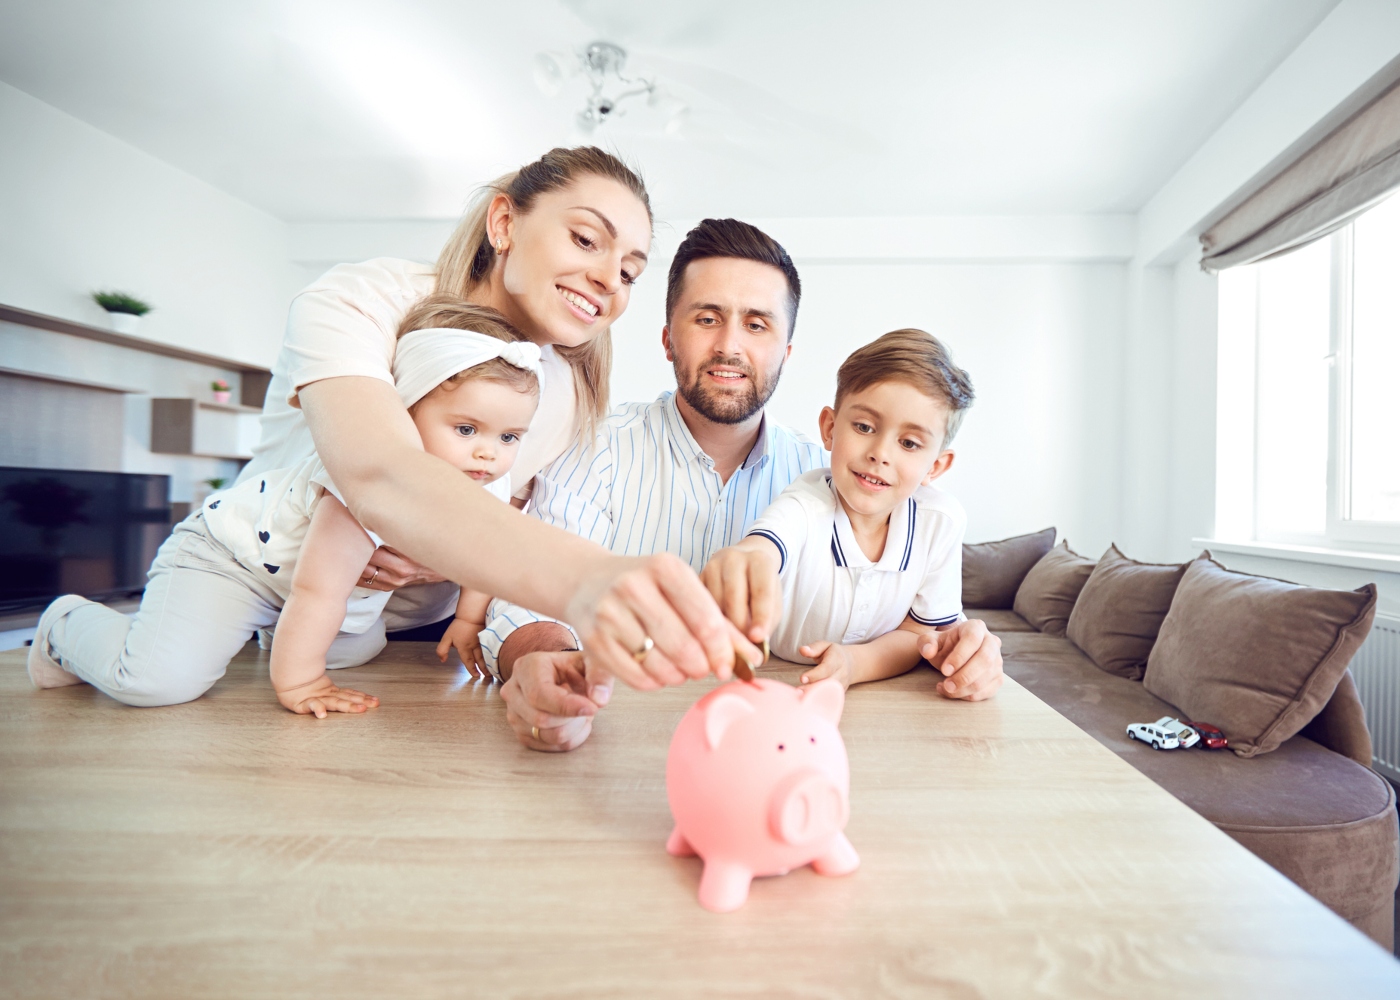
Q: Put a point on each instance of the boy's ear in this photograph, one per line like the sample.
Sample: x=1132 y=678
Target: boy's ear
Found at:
x=941 y=464
x=666 y=342
x=826 y=423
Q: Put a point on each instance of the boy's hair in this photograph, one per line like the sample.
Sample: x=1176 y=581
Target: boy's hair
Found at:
x=451 y=313
x=915 y=358
x=732 y=238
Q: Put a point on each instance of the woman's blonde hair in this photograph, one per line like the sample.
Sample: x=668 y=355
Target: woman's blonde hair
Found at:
x=443 y=312
x=467 y=259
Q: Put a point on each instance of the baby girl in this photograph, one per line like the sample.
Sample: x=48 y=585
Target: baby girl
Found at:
x=282 y=548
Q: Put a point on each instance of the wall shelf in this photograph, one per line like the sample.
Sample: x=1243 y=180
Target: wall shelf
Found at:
x=228 y=407
x=253 y=379
x=203 y=429
x=65 y=380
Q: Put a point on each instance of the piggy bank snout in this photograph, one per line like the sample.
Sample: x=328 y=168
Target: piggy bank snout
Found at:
x=806 y=806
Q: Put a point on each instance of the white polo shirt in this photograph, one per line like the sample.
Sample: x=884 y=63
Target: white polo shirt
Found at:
x=833 y=593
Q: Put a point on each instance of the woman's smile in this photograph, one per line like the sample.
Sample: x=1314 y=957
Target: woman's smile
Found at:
x=580 y=305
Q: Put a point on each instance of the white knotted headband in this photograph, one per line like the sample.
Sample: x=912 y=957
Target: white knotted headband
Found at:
x=424 y=359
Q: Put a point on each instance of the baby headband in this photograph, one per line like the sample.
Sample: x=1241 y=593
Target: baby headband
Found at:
x=424 y=359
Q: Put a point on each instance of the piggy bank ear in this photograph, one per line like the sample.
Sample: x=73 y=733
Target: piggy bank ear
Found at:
x=825 y=698
x=722 y=713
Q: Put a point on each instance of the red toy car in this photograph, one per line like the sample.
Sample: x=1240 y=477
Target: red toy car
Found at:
x=1211 y=738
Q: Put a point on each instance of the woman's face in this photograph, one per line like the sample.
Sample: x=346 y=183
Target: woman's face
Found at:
x=572 y=259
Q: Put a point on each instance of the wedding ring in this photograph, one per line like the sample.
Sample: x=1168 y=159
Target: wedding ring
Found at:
x=647 y=646
x=534 y=730
x=372 y=577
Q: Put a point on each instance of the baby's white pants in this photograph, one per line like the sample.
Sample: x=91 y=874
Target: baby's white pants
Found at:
x=199 y=608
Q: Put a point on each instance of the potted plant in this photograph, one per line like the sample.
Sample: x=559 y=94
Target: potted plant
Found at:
x=123 y=311
x=221 y=391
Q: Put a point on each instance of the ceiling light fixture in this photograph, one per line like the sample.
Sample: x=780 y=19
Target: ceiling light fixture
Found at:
x=602 y=63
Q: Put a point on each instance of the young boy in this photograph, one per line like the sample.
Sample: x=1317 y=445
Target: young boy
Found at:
x=868 y=552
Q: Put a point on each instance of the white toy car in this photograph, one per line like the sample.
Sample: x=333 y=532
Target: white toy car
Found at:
x=1184 y=733
x=1154 y=735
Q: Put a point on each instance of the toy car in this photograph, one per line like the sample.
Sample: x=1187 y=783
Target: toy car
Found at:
x=1211 y=738
x=1184 y=733
x=1154 y=735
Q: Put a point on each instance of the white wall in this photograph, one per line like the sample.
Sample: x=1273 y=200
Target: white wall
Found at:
x=81 y=210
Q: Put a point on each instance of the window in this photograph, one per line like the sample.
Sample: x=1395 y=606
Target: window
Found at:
x=1308 y=414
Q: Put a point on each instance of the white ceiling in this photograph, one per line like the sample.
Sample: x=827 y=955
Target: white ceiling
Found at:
x=329 y=110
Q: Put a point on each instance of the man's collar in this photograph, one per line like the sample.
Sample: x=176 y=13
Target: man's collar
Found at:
x=680 y=434
x=760 y=448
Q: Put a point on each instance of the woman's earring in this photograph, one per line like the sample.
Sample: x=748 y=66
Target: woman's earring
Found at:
x=500 y=246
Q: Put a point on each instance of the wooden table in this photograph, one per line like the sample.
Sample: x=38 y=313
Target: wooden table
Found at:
x=228 y=848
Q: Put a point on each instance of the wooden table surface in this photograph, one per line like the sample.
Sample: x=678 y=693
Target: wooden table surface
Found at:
x=229 y=849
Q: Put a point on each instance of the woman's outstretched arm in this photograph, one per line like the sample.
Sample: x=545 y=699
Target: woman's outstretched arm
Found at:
x=436 y=516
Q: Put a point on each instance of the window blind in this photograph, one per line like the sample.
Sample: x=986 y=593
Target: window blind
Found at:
x=1348 y=171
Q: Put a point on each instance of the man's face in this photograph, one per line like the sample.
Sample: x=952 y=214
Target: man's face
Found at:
x=728 y=337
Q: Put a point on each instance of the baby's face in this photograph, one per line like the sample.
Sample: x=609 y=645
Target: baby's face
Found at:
x=885 y=442
x=476 y=426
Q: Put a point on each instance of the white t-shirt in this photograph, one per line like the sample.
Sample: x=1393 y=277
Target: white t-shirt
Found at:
x=263 y=521
x=833 y=593
x=346 y=323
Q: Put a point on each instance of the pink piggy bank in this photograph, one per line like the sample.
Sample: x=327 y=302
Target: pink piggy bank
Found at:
x=759 y=784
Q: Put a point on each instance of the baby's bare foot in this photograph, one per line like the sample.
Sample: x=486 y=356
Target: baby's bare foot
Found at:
x=44 y=670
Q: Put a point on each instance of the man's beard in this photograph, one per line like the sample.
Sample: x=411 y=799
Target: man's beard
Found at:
x=725 y=407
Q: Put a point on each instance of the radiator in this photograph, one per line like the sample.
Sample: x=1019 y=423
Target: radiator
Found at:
x=1376 y=668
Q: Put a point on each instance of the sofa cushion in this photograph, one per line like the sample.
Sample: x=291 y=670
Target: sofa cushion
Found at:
x=1325 y=821
x=1120 y=610
x=1047 y=594
x=991 y=571
x=1255 y=656
x=999 y=620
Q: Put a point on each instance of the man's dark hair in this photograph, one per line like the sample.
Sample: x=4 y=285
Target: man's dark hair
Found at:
x=732 y=238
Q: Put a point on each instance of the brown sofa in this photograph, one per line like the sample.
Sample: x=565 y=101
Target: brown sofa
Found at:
x=1312 y=808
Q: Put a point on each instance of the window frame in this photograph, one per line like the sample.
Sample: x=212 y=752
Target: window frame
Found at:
x=1238 y=504
x=1343 y=530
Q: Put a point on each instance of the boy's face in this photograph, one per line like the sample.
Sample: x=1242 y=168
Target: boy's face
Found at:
x=885 y=442
x=476 y=426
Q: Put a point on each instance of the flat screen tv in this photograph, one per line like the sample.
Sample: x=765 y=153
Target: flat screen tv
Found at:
x=89 y=533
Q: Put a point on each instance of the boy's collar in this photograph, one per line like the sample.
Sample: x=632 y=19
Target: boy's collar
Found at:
x=899 y=537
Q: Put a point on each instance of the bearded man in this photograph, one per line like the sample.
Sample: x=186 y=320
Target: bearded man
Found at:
x=685 y=474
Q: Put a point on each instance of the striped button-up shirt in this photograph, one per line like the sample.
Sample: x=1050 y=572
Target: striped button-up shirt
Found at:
x=645 y=486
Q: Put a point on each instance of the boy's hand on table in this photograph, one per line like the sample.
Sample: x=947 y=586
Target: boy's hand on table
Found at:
x=465 y=637
x=968 y=656
x=833 y=660
x=321 y=696
x=744 y=582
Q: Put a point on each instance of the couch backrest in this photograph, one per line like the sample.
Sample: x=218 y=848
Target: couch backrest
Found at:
x=1341 y=725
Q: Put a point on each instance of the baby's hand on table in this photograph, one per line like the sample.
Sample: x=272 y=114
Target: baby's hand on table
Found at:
x=833 y=660
x=465 y=637
x=321 y=696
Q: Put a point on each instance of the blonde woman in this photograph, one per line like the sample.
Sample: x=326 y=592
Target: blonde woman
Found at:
x=555 y=248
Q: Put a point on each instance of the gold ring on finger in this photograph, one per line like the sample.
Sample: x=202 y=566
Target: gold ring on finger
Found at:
x=648 y=644
x=535 y=733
